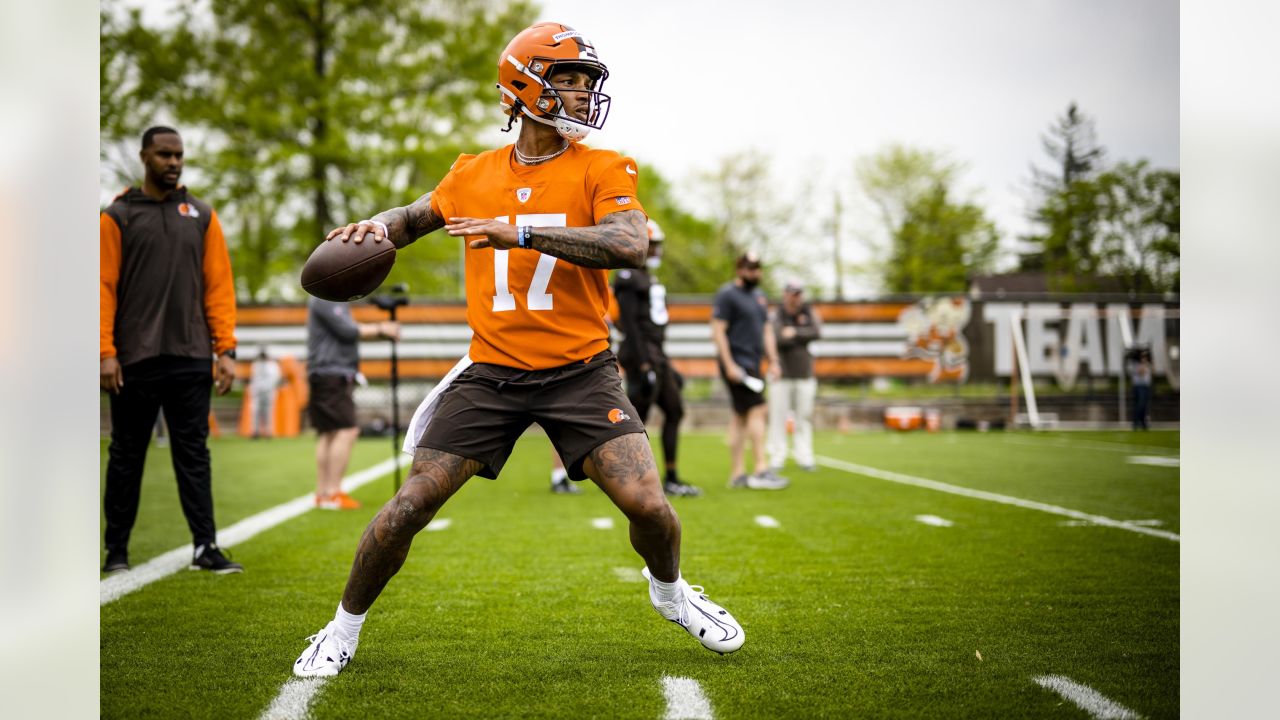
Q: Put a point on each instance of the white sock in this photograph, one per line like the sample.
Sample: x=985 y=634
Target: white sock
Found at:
x=348 y=624
x=558 y=475
x=664 y=592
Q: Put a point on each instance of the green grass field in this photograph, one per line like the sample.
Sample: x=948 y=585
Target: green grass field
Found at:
x=521 y=608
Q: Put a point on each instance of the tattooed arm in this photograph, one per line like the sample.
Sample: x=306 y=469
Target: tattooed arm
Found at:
x=403 y=224
x=621 y=240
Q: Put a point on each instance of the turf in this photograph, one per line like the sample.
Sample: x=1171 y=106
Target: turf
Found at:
x=852 y=608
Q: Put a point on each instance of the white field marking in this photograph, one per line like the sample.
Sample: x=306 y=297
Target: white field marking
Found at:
x=1157 y=460
x=1088 y=445
x=293 y=702
x=439 y=524
x=116 y=586
x=767 y=521
x=628 y=574
x=602 y=523
x=1086 y=698
x=991 y=497
x=1082 y=523
x=685 y=700
x=934 y=520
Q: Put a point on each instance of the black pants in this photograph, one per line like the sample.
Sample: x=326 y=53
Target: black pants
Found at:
x=665 y=393
x=182 y=389
x=1141 y=406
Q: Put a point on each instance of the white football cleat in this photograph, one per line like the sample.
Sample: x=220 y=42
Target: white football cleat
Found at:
x=326 y=655
x=706 y=621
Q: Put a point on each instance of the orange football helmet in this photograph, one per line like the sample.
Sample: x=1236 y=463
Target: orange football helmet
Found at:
x=525 y=68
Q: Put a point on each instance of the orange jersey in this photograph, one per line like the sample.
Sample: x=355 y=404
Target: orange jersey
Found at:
x=528 y=310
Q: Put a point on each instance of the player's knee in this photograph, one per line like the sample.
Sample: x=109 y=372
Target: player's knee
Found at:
x=411 y=510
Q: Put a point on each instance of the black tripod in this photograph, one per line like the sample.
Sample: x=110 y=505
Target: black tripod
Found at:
x=397 y=295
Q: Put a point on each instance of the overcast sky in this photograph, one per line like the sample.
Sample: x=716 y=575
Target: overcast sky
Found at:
x=816 y=84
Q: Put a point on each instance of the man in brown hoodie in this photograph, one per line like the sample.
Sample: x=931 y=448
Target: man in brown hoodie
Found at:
x=167 y=309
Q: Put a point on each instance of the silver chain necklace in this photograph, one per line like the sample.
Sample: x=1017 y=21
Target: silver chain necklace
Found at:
x=536 y=159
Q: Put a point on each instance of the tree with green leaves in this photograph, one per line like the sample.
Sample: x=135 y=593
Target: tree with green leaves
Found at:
x=935 y=243
x=939 y=245
x=1069 y=217
x=1140 y=226
x=303 y=114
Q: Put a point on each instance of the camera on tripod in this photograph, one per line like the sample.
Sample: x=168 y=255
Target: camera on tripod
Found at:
x=397 y=296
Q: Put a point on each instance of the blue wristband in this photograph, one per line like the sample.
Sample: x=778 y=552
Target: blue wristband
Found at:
x=524 y=236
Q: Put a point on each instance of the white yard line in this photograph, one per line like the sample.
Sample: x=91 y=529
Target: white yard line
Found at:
x=628 y=574
x=992 y=497
x=685 y=699
x=1087 y=445
x=1156 y=460
x=116 y=586
x=603 y=523
x=767 y=521
x=439 y=524
x=1086 y=698
x=293 y=702
x=934 y=520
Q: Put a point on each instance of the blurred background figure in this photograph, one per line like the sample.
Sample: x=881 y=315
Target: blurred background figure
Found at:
x=1140 y=372
x=795 y=325
x=743 y=336
x=333 y=362
x=560 y=482
x=264 y=379
x=651 y=379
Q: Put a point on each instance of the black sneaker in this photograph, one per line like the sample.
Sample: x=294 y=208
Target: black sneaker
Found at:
x=209 y=557
x=566 y=487
x=117 y=562
x=676 y=488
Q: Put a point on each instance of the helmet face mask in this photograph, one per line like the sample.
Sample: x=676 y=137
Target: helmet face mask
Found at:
x=524 y=78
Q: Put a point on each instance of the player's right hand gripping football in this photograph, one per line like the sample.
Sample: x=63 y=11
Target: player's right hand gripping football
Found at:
x=359 y=231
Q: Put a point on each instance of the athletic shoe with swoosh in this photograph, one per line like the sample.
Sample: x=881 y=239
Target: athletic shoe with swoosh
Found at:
x=706 y=621
x=326 y=655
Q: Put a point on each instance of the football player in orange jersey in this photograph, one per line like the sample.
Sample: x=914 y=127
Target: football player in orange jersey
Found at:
x=543 y=220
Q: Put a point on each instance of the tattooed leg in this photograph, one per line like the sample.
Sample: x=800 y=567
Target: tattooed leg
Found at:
x=624 y=469
x=434 y=478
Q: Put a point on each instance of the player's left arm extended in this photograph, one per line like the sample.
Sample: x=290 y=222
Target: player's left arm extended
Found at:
x=621 y=240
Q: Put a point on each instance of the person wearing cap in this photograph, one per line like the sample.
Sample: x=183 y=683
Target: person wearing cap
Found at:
x=743 y=338
x=651 y=379
x=795 y=325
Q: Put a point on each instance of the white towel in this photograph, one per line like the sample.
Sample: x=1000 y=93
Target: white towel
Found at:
x=422 y=416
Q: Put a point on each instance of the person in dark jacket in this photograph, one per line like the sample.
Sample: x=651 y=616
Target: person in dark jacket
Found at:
x=795 y=325
x=651 y=379
x=167 y=309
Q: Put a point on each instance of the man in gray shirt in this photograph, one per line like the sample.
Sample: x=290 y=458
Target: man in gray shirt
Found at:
x=333 y=361
x=743 y=337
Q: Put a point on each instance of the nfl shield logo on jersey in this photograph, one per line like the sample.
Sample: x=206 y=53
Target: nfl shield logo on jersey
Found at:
x=523 y=194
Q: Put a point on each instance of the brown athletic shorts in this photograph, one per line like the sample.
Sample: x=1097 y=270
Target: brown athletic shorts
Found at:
x=485 y=410
x=332 y=405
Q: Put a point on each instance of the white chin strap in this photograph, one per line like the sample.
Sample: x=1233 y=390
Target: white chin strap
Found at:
x=569 y=130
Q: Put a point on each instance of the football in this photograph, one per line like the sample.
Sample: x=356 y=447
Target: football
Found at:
x=345 y=271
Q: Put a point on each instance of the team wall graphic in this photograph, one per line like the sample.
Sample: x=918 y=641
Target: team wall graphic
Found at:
x=943 y=339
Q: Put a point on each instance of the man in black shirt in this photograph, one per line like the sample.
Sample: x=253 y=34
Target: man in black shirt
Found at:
x=642 y=317
x=743 y=338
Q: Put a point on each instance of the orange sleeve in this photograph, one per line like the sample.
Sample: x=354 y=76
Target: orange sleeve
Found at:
x=442 y=201
x=108 y=277
x=613 y=186
x=219 y=288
